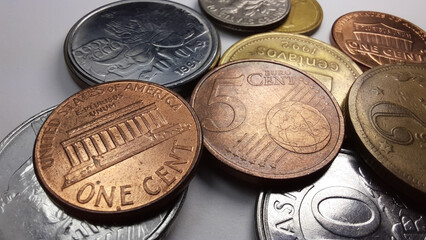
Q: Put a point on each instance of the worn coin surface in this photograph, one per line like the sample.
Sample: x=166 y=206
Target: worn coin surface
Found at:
x=118 y=147
x=305 y=17
x=268 y=120
x=374 y=38
x=347 y=202
x=330 y=66
x=24 y=204
x=246 y=15
x=157 y=41
x=387 y=108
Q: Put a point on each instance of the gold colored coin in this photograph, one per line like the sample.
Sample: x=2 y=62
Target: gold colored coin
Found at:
x=387 y=108
x=268 y=121
x=118 y=147
x=330 y=66
x=305 y=17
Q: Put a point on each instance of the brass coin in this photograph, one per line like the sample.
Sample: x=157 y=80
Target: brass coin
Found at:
x=373 y=38
x=330 y=66
x=118 y=147
x=387 y=108
x=305 y=17
x=268 y=120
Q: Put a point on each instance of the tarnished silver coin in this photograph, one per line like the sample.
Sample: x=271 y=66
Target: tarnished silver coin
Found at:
x=158 y=41
x=246 y=15
x=347 y=202
x=26 y=212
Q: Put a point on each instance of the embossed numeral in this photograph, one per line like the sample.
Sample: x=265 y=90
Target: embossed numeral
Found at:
x=217 y=97
x=399 y=135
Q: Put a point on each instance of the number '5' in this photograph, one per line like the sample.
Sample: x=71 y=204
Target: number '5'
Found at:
x=218 y=97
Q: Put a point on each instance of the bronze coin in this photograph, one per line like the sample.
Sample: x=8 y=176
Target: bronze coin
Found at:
x=118 y=147
x=373 y=38
x=387 y=109
x=268 y=120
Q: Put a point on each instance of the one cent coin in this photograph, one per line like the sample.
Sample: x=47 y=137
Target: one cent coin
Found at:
x=268 y=120
x=151 y=40
x=305 y=17
x=118 y=147
x=330 y=66
x=24 y=203
x=374 y=38
x=387 y=108
x=246 y=15
x=348 y=202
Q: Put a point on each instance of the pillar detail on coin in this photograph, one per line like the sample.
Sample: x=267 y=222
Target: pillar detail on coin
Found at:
x=374 y=38
x=268 y=120
x=118 y=147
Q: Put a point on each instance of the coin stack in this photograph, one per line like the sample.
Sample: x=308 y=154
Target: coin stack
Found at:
x=115 y=159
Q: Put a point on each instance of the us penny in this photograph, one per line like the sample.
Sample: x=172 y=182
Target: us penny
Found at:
x=158 y=41
x=267 y=120
x=118 y=147
x=330 y=66
x=387 y=109
x=24 y=204
x=246 y=15
x=305 y=17
x=373 y=38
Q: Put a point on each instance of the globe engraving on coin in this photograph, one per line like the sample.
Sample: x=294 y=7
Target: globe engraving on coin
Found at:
x=330 y=66
x=246 y=15
x=347 y=202
x=24 y=204
x=118 y=147
x=373 y=38
x=298 y=127
x=268 y=120
x=158 y=41
x=388 y=114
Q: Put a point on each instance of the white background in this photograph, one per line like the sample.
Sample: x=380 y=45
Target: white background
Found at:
x=34 y=77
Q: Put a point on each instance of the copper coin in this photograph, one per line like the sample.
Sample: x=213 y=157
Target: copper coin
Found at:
x=374 y=38
x=268 y=120
x=387 y=108
x=118 y=147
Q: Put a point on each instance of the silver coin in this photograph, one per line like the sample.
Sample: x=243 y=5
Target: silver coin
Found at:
x=158 y=41
x=347 y=202
x=246 y=15
x=26 y=212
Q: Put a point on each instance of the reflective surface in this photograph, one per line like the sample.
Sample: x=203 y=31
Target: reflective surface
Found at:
x=387 y=108
x=347 y=202
x=26 y=212
x=246 y=15
x=118 y=147
x=268 y=120
x=158 y=41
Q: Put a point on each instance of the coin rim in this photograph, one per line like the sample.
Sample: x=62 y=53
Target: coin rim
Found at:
x=169 y=196
x=361 y=62
x=359 y=129
x=275 y=177
x=81 y=74
x=308 y=30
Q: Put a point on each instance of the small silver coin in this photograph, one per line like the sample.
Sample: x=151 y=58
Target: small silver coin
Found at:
x=26 y=212
x=347 y=202
x=246 y=15
x=158 y=41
